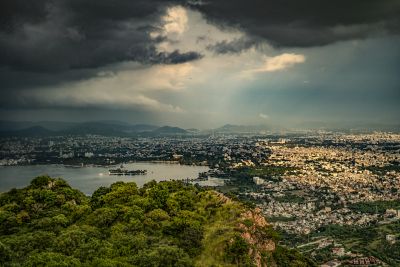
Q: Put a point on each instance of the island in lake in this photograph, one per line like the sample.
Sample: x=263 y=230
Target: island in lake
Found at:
x=122 y=171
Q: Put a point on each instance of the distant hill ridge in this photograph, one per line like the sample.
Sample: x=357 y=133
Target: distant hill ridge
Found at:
x=170 y=130
x=107 y=128
x=31 y=131
x=119 y=128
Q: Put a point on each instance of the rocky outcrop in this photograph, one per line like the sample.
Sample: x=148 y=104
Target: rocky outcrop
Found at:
x=255 y=231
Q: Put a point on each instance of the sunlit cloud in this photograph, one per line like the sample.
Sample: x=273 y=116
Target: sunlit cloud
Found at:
x=175 y=20
x=132 y=86
x=280 y=62
x=71 y=98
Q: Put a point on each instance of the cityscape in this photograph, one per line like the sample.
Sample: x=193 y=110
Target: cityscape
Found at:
x=311 y=186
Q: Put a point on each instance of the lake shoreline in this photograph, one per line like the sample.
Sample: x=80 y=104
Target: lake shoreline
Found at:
x=88 y=178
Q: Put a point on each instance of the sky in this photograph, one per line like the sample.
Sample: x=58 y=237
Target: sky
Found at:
x=201 y=64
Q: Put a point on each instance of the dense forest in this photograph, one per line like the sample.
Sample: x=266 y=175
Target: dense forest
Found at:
x=48 y=223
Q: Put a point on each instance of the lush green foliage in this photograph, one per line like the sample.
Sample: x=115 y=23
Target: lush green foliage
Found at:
x=370 y=240
x=237 y=252
x=162 y=224
x=375 y=207
x=290 y=258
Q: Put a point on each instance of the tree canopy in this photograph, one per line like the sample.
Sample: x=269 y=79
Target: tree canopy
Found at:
x=48 y=223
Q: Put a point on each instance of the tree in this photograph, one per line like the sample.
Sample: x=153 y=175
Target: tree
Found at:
x=162 y=256
x=103 y=217
x=41 y=181
x=5 y=253
x=51 y=259
x=237 y=252
x=120 y=193
x=96 y=200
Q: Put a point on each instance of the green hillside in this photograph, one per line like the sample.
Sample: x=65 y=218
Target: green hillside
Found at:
x=162 y=224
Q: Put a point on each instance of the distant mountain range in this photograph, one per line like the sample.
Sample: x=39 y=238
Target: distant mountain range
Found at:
x=170 y=130
x=107 y=128
x=50 y=125
x=118 y=128
x=31 y=131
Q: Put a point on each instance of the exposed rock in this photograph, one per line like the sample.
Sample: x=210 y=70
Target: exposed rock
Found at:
x=253 y=229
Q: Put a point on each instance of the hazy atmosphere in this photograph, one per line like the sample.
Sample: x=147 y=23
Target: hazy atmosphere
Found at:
x=201 y=63
x=199 y=133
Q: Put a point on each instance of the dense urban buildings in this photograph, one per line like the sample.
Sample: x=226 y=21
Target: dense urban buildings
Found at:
x=311 y=185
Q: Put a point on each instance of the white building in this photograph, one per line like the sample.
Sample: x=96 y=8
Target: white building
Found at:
x=258 y=180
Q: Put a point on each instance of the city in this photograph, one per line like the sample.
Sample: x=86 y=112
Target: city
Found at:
x=304 y=183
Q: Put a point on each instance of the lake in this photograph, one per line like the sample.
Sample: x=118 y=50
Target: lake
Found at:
x=88 y=179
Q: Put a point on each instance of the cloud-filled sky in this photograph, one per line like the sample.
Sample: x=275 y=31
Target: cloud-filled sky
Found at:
x=200 y=63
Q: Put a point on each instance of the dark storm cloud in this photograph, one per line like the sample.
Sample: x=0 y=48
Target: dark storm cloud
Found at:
x=60 y=35
x=235 y=46
x=49 y=43
x=46 y=42
x=13 y=13
x=176 y=57
x=51 y=36
x=295 y=23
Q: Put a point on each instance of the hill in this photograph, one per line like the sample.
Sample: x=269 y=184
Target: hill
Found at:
x=169 y=130
x=31 y=131
x=162 y=224
x=110 y=128
x=102 y=128
x=50 y=125
x=105 y=128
